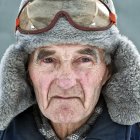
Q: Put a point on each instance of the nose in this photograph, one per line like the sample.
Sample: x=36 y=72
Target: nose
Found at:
x=66 y=78
x=66 y=83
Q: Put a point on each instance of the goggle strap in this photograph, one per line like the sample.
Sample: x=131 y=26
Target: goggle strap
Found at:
x=113 y=17
x=17 y=22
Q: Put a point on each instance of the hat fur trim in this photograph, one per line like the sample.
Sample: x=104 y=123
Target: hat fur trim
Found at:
x=121 y=92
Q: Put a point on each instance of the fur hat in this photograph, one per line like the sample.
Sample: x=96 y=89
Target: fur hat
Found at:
x=121 y=92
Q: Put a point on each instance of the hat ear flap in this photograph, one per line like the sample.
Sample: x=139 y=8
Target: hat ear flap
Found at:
x=122 y=92
x=15 y=93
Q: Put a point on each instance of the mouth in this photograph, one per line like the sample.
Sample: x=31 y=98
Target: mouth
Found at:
x=64 y=98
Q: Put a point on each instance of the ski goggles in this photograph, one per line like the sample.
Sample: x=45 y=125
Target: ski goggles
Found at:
x=38 y=16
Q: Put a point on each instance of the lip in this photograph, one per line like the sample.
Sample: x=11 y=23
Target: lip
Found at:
x=65 y=98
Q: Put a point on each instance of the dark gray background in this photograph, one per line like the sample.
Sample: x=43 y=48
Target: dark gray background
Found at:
x=127 y=11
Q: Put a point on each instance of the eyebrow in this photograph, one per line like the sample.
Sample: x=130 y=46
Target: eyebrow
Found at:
x=89 y=51
x=44 y=53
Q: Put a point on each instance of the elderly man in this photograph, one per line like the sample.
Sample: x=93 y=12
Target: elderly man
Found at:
x=70 y=75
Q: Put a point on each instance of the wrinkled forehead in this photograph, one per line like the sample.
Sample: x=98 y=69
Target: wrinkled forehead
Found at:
x=69 y=50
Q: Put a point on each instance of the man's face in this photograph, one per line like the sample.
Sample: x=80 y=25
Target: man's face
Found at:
x=67 y=81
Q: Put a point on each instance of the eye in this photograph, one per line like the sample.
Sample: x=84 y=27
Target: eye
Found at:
x=85 y=59
x=48 y=60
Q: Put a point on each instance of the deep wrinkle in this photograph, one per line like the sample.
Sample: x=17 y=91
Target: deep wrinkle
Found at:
x=46 y=52
x=81 y=88
x=71 y=114
x=87 y=51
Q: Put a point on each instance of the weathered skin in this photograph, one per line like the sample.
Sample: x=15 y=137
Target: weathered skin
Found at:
x=67 y=80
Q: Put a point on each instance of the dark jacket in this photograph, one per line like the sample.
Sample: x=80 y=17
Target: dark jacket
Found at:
x=23 y=127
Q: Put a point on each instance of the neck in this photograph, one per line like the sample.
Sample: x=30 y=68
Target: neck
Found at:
x=66 y=129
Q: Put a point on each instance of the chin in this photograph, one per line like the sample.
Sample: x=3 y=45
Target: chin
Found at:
x=63 y=119
x=65 y=115
x=65 y=111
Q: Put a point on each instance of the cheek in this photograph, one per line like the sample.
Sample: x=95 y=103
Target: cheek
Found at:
x=41 y=82
x=91 y=77
x=91 y=81
x=40 y=79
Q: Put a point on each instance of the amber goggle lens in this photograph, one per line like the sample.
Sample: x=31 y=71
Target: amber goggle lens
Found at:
x=90 y=14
